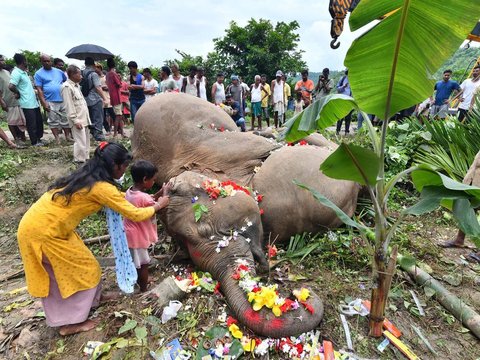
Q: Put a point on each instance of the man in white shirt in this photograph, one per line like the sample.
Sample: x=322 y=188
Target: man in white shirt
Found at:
x=469 y=89
x=151 y=85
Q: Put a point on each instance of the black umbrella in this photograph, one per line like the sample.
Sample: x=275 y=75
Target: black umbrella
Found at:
x=96 y=52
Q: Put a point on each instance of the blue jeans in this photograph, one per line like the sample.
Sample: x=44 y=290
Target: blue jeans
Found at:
x=361 y=120
x=134 y=106
x=241 y=122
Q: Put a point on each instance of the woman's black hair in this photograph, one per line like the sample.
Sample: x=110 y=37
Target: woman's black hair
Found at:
x=142 y=169
x=99 y=168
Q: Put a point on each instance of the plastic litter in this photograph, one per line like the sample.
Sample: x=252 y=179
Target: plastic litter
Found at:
x=91 y=346
x=170 y=311
x=354 y=307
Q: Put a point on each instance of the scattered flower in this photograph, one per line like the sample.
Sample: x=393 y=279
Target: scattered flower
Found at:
x=302 y=294
x=262 y=212
x=235 y=331
x=243 y=228
x=272 y=251
x=248 y=240
x=302 y=143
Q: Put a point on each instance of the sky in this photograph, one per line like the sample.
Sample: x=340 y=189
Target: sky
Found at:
x=149 y=31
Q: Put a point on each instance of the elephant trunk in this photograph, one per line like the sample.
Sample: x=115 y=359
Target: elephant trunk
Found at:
x=264 y=322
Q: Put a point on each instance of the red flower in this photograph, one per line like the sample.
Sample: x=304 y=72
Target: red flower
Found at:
x=303 y=143
x=217 y=289
x=308 y=307
x=243 y=267
x=256 y=289
x=272 y=251
x=231 y=320
x=287 y=305
x=259 y=198
x=262 y=212
x=299 y=348
x=222 y=129
x=290 y=144
x=236 y=275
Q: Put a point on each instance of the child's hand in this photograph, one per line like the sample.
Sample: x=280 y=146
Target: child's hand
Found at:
x=162 y=202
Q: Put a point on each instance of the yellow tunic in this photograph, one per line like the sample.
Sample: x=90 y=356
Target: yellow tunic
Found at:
x=48 y=229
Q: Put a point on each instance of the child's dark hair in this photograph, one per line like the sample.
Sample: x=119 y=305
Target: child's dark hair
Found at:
x=99 y=168
x=142 y=169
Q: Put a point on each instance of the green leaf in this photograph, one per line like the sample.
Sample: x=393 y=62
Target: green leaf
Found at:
x=141 y=333
x=321 y=114
x=129 y=325
x=467 y=220
x=199 y=210
x=391 y=65
x=351 y=162
x=328 y=203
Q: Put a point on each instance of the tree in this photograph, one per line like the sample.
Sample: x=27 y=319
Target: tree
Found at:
x=260 y=48
x=33 y=60
x=393 y=46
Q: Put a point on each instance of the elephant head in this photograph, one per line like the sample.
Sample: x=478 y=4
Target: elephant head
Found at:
x=231 y=230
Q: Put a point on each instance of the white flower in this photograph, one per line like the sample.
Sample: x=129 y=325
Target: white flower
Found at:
x=243 y=229
x=224 y=238
x=197 y=186
x=222 y=317
x=249 y=223
x=235 y=234
x=214 y=202
x=212 y=237
x=217 y=250
x=248 y=240
x=262 y=348
x=195 y=198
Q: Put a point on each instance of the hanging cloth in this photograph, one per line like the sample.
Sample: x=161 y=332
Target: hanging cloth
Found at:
x=124 y=266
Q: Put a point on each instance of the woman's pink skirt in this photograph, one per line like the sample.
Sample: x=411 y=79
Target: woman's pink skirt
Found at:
x=72 y=310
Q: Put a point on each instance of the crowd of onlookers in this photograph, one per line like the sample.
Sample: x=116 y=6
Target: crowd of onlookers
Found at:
x=96 y=101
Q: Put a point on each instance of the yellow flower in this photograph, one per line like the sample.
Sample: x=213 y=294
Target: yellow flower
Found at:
x=267 y=297
x=276 y=311
x=248 y=344
x=302 y=294
x=235 y=331
x=194 y=279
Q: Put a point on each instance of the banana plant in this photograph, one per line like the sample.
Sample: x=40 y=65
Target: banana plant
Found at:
x=390 y=69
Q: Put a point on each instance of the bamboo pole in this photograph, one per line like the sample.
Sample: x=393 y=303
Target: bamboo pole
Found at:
x=465 y=314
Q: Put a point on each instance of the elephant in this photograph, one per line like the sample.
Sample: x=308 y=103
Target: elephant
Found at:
x=235 y=218
x=191 y=140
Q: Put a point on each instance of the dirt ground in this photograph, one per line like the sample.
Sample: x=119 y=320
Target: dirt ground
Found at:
x=339 y=275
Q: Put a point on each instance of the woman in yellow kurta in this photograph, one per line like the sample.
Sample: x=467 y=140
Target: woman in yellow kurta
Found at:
x=59 y=268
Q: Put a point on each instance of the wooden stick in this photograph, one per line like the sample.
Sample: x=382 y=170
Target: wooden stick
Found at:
x=97 y=239
x=12 y=275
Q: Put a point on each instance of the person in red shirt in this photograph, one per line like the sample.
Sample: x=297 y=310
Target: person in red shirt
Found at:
x=306 y=86
x=114 y=83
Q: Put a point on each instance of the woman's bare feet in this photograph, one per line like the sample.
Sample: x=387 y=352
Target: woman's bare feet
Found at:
x=87 y=325
x=453 y=244
x=109 y=296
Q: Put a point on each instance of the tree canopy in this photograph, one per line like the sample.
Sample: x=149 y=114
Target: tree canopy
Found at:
x=260 y=48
